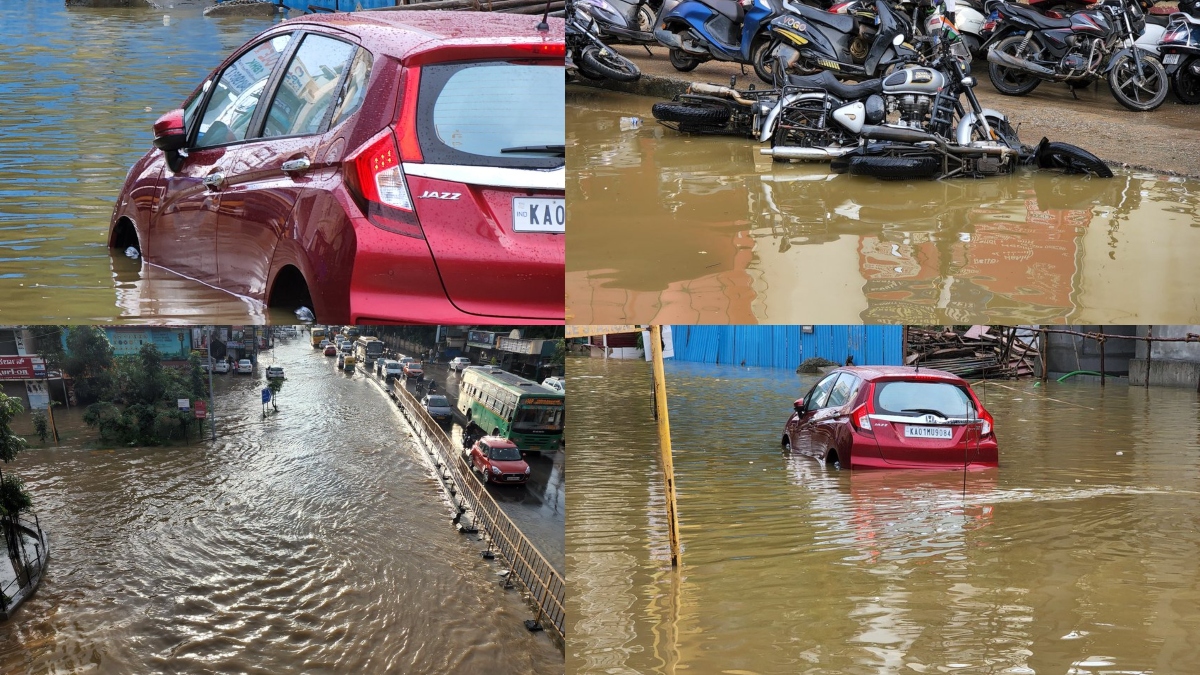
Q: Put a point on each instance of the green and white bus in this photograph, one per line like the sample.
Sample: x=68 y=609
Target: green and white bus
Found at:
x=512 y=407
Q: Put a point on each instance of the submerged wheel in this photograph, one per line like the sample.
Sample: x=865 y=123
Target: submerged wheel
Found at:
x=704 y=114
x=893 y=168
x=786 y=443
x=1010 y=81
x=1070 y=159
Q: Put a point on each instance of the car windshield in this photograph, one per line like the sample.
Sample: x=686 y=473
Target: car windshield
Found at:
x=922 y=398
x=504 y=454
x=492 y=113
x=438 y=402
x=541 y=418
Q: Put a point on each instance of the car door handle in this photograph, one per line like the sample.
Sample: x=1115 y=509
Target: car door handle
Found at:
x=299 y=165
x=214 y=181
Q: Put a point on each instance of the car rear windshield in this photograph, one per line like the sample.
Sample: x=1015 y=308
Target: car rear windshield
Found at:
x=920 y=398
x=438 y=402
x=493 y=113
x=504 y=454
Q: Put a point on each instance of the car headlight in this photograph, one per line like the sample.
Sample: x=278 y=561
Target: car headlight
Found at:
x=495 y=469
x=526 y=471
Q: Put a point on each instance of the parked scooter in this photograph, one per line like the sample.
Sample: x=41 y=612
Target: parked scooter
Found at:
x=587 y=54
x=1078 y=50
x=850 y=45
x=724 y=30
x=1181 y=52
x=629 y=21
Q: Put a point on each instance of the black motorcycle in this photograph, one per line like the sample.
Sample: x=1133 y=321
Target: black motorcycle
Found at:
x=1180 y=48
x=1077 y=50
x=863 y=44
x=587 y=54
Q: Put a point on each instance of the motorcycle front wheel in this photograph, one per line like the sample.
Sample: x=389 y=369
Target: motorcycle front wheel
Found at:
x=1139 y=89
x=1185 y=84
x=609 y=64
x=1010 y=81
x=682 y=61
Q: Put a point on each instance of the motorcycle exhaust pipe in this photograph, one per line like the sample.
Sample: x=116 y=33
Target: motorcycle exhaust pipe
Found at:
x=810 y=154
x=914 y=136
x=1010 y=61
x=719 y=91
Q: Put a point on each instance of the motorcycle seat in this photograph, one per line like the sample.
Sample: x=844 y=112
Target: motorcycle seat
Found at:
x=842 y=23
x=825 y=81
x=1032 y=15
x=730 y=9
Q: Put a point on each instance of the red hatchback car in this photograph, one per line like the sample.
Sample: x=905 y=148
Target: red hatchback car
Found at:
x=499 y=461
x=889 y=417
x=373 y=166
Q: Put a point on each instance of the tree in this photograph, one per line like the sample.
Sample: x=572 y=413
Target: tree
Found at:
x=274 y=385
x=10 y=443
x=14 y=499
x=90 y=363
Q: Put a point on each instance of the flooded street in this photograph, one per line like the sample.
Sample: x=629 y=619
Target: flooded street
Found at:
x=82 y=88
x=693 y=229
x=1078 y=555
x=314 y=540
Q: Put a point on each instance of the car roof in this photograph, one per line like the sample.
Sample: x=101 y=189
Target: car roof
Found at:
x=497 y=442
x=405 y=34
x=874 y=373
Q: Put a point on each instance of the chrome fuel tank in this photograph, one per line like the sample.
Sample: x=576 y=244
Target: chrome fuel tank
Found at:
x=926 y=81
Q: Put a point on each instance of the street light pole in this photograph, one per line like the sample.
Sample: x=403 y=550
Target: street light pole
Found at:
x=212 y=401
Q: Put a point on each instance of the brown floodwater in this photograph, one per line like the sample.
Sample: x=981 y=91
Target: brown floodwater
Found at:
x=698 y=229
x=1079 y=555
x=315 y=540
x=81 y=89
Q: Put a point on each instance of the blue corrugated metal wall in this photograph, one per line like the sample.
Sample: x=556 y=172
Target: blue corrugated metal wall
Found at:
x=787 y=346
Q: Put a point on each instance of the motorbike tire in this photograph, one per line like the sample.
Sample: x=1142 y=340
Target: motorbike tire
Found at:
x=1186 y=85
x=1121 y=82
x=1006 y=80
x=682 y=62
x=691 y=114
x=762 y=57
x=893 y=168
x=1070 y=159
x=610 y=64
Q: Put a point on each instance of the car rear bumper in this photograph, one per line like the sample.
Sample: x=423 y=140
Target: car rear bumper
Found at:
x=865 y=455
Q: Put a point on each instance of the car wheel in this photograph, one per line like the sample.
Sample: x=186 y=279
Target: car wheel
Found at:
x=787 y=443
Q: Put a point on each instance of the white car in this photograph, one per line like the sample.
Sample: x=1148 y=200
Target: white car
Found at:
x=558 y=384
x=392 y=370
x=274 y=372
x=245 y=367
x=459 y=362
x=221 y=366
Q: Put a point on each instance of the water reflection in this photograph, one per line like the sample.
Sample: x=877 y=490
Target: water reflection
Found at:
x=690 y=229
x=1079 y=551
x=81 y=90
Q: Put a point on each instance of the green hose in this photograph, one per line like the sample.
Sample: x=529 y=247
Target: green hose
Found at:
x=1078 y=372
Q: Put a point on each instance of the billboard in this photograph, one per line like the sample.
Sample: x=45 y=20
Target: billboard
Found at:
x=21 y=368
x=481 y=338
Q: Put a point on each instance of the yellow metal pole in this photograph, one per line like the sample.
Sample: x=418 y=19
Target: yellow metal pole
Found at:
x=664 y=440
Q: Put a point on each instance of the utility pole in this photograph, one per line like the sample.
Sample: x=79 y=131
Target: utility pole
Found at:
x=664 y=439
x=212 y=401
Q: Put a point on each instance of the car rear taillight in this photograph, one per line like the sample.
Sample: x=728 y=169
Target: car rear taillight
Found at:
x=861 y=418
x=544 y=48
x=985 y=422
x=377 y=180
x=406 y=125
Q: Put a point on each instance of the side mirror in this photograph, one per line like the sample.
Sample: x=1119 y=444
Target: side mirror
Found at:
x=799 y=405
x=169 y=134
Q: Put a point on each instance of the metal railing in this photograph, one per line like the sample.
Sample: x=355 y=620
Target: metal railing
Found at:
x=543 y=583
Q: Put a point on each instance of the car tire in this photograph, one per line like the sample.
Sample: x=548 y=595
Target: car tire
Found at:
x=786 y=443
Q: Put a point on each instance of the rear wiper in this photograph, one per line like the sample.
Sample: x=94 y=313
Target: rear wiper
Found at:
x=556 y=150
x=933 y=411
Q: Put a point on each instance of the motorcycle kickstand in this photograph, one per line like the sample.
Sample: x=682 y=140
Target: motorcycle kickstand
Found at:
x=647 y=48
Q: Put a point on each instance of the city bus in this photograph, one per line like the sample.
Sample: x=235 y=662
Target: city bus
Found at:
x=368 y=349
x=318 y=334
x=500 y=403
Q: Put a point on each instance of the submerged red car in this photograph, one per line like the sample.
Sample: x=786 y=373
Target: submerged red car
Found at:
x=372 y=166
x=890 y=417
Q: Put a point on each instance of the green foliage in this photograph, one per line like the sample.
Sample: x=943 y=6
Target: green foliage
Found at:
x=137 y=424
x=199 y=385
x=10 y=443
x=90 y=363
x=41 y=425
x=14 y=498
x=274 y=386
x=48 y=343
x=560 y=352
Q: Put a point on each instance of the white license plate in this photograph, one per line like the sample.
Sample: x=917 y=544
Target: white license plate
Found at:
x=911 y=431
x=534 y=214
x=514 y=478
x=1171 y=58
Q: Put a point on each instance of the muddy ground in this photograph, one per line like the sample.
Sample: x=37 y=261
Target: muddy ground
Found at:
x=1165 y=140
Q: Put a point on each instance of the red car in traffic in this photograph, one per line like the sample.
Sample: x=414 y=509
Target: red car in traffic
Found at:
x=374 y=167
x=499 y=461
x=890 y=417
